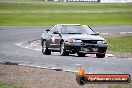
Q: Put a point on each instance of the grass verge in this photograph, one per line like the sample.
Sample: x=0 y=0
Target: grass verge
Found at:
x=8 y=85
x=120 y=44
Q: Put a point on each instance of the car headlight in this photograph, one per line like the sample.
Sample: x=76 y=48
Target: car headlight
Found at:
x=100 y=42
x=104 y=42
x=77 y=40
x=69 y=40
x=73 y=41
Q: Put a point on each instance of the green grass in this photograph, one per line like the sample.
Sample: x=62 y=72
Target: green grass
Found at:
x=27 y=14
x=56 y=18
x=120 y=44
x=65 y=6
x=8 y=85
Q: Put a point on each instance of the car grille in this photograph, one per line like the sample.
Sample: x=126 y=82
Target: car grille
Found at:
x=90 y=41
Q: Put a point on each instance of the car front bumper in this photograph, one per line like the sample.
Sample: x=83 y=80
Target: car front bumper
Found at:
x=86 y=48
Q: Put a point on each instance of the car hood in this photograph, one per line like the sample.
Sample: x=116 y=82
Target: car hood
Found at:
x=82 y=37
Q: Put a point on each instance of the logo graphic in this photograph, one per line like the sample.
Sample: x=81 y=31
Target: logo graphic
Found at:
x=83 y=78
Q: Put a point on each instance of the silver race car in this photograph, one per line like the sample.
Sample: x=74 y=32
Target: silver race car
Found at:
x=73 y=38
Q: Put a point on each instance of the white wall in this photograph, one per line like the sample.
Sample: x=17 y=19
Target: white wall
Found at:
x=129 y=0
x=78 y=0
x=115 y=1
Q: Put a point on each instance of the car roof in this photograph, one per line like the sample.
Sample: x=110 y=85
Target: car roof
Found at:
x=69 y=24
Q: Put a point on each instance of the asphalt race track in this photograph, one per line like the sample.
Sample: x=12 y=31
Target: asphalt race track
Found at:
x=10 y=52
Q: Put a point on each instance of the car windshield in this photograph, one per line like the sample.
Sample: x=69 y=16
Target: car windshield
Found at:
x=76 y=29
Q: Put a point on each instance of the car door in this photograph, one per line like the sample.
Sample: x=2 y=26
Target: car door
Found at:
x=55 y=37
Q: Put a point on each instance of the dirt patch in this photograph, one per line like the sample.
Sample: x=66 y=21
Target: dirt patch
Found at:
x=28 y=77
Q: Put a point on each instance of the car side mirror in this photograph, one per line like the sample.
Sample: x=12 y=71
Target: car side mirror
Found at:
x=97 y=33
x=47 y=30
x=56 y=32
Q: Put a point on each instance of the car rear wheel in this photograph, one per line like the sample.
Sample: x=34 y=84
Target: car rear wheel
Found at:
x=62 y=50
x=100 y=55
x=45 y=49
x=81 y=54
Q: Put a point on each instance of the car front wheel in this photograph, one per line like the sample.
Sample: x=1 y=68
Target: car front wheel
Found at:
x=45 y=49
x=62 y=50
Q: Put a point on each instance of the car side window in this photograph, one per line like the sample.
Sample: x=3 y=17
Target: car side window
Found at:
x=55 y=28
x=58 y=28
